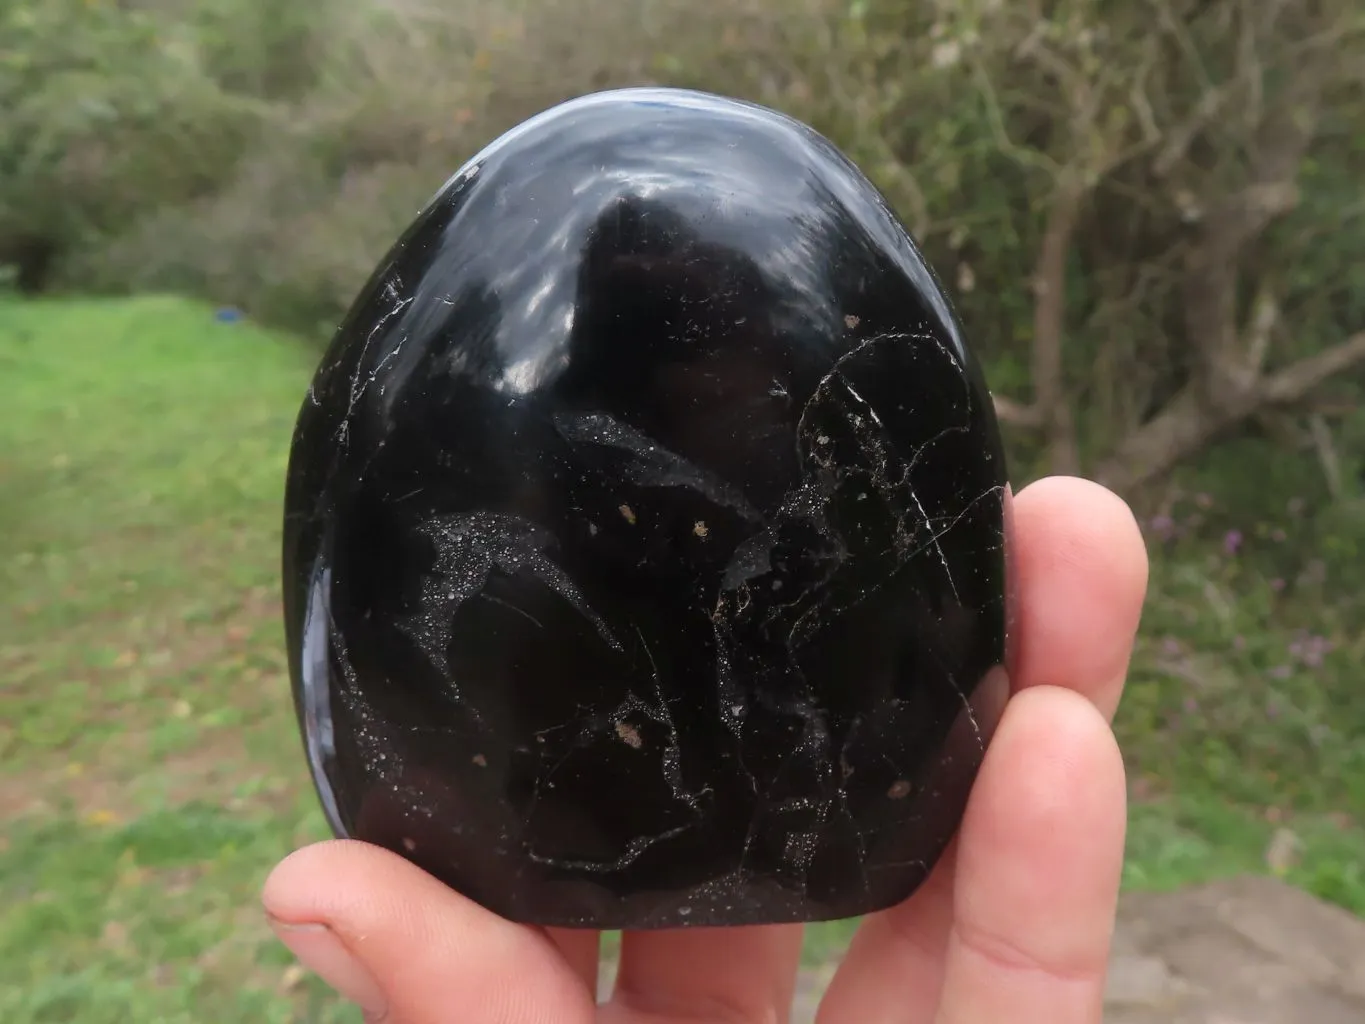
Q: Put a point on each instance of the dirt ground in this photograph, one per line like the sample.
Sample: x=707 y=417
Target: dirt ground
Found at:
x=1244 y=951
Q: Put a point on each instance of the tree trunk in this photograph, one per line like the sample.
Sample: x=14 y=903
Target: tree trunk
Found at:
x=1049 y=316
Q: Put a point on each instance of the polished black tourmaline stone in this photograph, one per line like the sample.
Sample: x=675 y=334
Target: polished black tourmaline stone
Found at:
x=645 y=532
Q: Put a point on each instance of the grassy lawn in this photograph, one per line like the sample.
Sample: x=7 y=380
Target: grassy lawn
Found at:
x=151 y=770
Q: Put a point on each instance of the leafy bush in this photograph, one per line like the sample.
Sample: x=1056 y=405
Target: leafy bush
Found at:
x=109 y=114
x=403 y=95
x=1147 y=210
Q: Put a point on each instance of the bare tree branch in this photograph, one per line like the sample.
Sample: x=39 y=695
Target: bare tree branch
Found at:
x=1022 y=154
x=1230 y=156
x=1050 y=397
x=1189 y=422
x=1096 y=149
x=1181 y=428
x=1178 y=139
x=1293 y=383
x=1327 y=454
x=1265 y=314
x=1016 y=414
x=1235 y=222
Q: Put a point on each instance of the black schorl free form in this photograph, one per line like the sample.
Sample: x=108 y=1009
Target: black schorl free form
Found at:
x=645 y=535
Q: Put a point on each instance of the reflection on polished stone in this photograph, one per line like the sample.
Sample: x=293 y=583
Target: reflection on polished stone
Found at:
x=645 y=532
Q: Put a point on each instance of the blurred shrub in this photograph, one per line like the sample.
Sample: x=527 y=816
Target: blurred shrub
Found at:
x=402 y=94
x=1073 y=169
x=108 y=114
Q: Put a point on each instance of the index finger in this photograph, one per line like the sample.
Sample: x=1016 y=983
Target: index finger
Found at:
x=1080 y=570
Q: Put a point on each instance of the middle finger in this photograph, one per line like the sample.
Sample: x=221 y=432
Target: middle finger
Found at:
x=732 y=975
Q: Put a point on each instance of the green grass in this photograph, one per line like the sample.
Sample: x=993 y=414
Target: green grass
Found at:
x=1244 y=713
x=151 y=771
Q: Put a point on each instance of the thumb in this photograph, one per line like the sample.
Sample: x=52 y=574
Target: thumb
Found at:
x=409 y=950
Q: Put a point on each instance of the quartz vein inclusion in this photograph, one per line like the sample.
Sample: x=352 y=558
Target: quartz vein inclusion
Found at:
x=658 y=528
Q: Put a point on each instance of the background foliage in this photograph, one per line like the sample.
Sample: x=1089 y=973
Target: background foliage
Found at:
x=1149 y=211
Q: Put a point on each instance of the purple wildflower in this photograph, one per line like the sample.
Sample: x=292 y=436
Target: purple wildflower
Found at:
x=1163 y=526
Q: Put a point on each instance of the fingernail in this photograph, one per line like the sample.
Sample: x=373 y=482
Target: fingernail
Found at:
x=319 y=949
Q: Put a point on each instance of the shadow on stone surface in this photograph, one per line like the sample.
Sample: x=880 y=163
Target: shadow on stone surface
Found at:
x=1241 y=951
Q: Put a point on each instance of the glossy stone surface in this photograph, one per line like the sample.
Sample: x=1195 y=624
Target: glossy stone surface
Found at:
x=645 y=532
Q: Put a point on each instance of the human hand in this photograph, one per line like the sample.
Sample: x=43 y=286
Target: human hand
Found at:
x=1013 y=925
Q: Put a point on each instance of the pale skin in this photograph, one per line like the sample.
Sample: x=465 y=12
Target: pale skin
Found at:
x=1014 y=924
